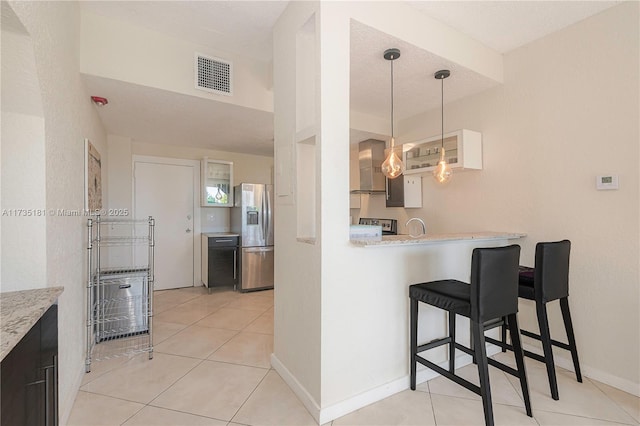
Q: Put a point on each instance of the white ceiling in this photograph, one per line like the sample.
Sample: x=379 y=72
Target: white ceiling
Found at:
x=240 y=27
x=506 y=25
x=158 y=116
x=244 y=28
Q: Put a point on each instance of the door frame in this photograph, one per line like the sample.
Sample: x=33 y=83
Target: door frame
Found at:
x=197 y=255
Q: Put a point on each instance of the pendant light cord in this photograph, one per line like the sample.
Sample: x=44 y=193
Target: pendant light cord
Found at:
x=392 y=141
x=442 y=110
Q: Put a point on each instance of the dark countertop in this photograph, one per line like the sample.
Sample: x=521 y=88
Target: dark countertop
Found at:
x=219 y=234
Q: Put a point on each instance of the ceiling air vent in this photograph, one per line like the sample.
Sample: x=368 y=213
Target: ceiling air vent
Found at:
x=213 y=74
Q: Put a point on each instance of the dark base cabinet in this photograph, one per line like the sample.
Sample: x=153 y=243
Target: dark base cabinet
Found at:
x=222 y=261
x=29 y=376
x=223 y=269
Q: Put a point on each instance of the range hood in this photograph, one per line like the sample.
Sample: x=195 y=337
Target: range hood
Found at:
x=371 y=156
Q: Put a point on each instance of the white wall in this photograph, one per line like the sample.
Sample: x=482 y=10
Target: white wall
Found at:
x=69 y=118
x=24 y=261
x=148 y=58
x=555 y=101
x=246 y=168
x=560 y=120
x=297 y=337
x=23 y=202
x=360 y=351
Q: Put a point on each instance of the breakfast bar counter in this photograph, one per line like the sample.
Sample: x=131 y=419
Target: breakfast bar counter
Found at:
x=374 y=296
x=403 y=240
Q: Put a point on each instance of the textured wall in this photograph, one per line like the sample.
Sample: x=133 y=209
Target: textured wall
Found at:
x=555 y=124
x=23 y=198
x=69 y=117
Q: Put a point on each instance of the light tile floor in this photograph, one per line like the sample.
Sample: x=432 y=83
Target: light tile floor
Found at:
x=211 y=367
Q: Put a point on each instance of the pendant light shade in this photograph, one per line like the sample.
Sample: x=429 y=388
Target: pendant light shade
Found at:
x=442 y=172
x=392 y=167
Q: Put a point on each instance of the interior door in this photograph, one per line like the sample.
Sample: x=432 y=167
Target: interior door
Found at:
x=165 y=191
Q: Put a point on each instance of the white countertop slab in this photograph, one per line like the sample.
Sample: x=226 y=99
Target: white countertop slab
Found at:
x=406 y=240
x=19 y=311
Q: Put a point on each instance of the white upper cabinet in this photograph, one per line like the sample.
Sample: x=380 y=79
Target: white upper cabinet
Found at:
x=217 y=183
x=463 y=150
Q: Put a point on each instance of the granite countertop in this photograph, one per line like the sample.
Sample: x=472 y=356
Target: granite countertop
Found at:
x=405 y=240
x=220 y=234
x=19 y=311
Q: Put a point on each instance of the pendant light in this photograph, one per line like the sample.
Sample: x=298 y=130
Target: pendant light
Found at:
x=443 y=171
x=392 y=166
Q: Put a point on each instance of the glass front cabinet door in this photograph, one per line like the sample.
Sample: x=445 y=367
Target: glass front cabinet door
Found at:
x=463 y=150
x=217 y=183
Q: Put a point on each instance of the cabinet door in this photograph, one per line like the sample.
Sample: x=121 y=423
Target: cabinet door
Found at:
x=49 y=364
x=395 y=192
x=412 y=192
x=217 y=183
x=20 y=390
x=29 y=388
x=223 y=267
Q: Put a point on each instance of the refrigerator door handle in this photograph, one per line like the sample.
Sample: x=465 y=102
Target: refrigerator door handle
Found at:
x=264 y=217
x=267 y=221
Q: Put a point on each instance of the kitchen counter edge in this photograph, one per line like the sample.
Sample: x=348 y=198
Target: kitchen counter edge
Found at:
x=408 y=240
x=20 y=310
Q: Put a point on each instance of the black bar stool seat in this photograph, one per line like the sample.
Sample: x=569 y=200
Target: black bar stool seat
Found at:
x=450 y=295
x=492 y=295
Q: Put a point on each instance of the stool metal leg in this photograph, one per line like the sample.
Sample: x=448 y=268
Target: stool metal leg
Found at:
x=545 y=337
x=452 y=344
x=516 y=343
x=503 y=333
x=568 y=326
x=483 y=371
x=414 y=340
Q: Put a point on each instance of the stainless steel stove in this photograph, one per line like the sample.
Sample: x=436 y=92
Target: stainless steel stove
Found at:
x=389 y=226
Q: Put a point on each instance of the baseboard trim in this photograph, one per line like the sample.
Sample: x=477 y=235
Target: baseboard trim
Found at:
x=590 y=372
x=305 y=397
x=376 y=394
x=334 y=411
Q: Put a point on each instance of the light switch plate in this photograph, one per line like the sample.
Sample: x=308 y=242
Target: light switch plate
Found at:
x=606 y=182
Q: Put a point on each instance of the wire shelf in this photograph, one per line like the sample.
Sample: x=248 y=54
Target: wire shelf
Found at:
x=117 y=272
x=122 y=308
x=119 y=298
x=121 y=240
x=123 y=221
x=128 y=345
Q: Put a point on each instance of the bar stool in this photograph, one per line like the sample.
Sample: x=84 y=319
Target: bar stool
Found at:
x=546 y=282
x=492 y=294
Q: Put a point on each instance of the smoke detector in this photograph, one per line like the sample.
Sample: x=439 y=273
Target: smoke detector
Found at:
x=100 y=101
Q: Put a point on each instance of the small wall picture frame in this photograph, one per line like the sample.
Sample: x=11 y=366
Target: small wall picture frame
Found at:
x=92 y=178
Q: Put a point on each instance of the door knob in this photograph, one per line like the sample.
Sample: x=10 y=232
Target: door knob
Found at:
x=188 y=230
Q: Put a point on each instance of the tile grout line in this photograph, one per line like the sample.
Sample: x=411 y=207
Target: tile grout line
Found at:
x=433 y=409
x=237 y=332
x=254 y=389
x=249 y=396
x=201 y=360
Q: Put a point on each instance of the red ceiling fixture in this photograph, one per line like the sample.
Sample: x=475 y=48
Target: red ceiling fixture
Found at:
x=99 y=100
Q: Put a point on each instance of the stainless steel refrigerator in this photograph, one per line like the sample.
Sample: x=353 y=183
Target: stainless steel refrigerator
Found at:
x=252 y=219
